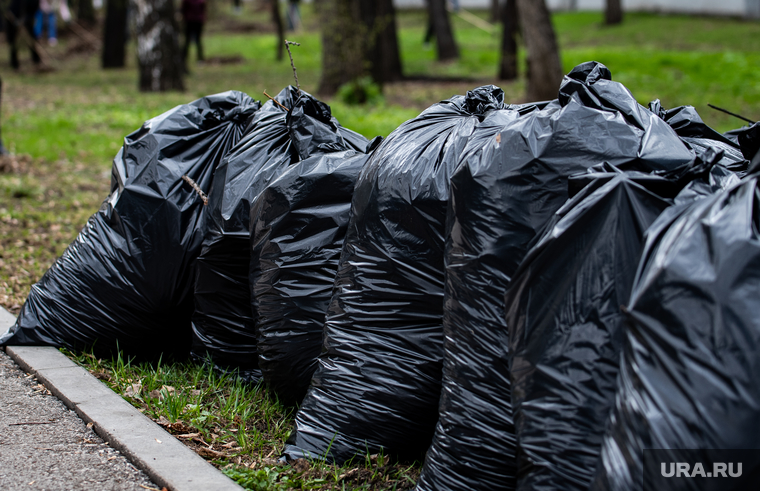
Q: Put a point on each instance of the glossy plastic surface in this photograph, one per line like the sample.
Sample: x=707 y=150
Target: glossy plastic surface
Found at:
x=689 y=370
x=223 y=323
x=298 y=226
x=128 y=276
x=378 y=381
x=503 y=194
x=566 y=328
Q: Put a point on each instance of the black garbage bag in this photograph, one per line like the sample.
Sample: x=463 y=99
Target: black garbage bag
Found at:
x=127 y=278
x=223 y=323
x=748 y=139
x=502 y=196
x=689 y=369
x=566 y=327
x=697 y=135
x=378 y=380
x=298 y=226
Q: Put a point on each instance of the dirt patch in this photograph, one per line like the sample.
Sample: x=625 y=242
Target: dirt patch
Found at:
x=421 y=93
x=224 y=60
x=15 y=164
x=232 y=25
x=44 y=207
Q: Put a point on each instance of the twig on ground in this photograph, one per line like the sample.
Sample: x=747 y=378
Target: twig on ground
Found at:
x=84 y=34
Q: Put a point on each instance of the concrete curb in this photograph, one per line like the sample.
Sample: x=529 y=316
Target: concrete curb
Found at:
x=150 y=448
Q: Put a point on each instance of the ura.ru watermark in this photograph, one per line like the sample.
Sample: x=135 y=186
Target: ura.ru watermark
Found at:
x=684 y=469
x=701 y=470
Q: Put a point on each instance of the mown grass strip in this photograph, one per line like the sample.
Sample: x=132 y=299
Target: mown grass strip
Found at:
x=239 y=427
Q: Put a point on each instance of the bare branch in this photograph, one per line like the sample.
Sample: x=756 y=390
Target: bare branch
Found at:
x=295 y=74
x=197 y=189
x=276 y=101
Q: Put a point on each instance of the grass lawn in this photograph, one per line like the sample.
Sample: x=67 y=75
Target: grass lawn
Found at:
x=65 y=125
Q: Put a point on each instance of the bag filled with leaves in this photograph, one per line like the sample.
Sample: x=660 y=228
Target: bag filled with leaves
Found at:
x=689 y=367
x=299 y=223
x=503 y=194
x=281 y=134
x=378 y=380
x=127 y=279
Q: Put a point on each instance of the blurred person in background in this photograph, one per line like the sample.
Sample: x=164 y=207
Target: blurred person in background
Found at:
x=294 y=15
x=45 y=18
x=19 y=14
x=194 y=15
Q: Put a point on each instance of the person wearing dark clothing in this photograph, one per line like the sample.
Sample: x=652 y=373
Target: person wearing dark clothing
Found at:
x=20 y=14
x=294 y=15
x=194 y=15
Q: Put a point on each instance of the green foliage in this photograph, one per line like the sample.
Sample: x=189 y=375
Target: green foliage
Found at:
x=360 y=91
x=257 y=479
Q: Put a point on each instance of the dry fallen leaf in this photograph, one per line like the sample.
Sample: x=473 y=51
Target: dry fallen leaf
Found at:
x=207 y=452
x=133 y=390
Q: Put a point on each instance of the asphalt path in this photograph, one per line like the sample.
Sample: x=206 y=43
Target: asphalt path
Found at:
x=46 y=446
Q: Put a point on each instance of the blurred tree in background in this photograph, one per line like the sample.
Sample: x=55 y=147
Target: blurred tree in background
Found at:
x=158 y=55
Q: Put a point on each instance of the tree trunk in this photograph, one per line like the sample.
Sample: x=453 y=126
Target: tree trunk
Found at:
x=343 y=37
x=544 y=66
x=613 y=12
x=277 y=20
x=508 y=66
x=358 y=39
x=444 y=37
x=115 y=34
x=381 y=48
x=158 y=53
x=495 y=11
x=86 y=13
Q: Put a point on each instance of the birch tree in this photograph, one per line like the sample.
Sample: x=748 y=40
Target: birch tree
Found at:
x=158 y=54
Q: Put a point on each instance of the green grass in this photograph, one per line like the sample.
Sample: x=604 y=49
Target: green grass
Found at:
x=82 y=112
x=239 y=427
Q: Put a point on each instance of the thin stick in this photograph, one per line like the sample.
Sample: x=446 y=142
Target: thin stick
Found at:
x=276 y=101
x=295 y=73
x=197 y=189
x=472 y=19
x=32 y=423
x=84 y=33
x=732 y=114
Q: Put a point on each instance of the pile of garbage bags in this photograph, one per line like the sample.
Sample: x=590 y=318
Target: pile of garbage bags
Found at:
x=521 y=296
x=285 y=131
x=126 y=281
